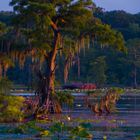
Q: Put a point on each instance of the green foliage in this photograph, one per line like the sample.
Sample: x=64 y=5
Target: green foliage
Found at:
x=45 y=133
x=56 y=130
x=81 y=132
x=98 y=69
x=86 y=125
x=65 y=97
x=107 y=36
x=58 y=127
x=117 y=90
x=95 y=92
x=100 y=92
x=126 y=23
x=41 y=14
x=133 y=56
x=73 y=19
x=2 y=28
x=119 y=66
x=6 y=16
x=104 y=137
x=138 y=138
x=5 y=86
x=27 y=128
x=11 y=108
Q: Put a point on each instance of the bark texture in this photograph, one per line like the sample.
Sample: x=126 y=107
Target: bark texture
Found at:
x=48 y=102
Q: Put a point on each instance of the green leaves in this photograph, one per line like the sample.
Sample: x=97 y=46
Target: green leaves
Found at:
x=11 y=108
x=5 y=86
x=2 y=28
x=98 y=70
x=86 y=125
x=28 y=128
x=56 y=130
x=41 y=8
x=80 y=131
x=45 y=133
x=65 y=98
x=58 y=127
x=106 y=36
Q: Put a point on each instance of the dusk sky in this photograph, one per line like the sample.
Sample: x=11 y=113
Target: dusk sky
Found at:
x=131 y=6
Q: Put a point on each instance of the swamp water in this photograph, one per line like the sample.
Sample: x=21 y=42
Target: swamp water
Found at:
x=122 y=125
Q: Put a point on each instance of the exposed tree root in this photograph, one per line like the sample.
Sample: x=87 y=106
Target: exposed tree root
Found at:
x=105 y=104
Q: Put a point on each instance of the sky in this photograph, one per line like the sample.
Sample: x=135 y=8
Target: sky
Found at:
x=131 y=6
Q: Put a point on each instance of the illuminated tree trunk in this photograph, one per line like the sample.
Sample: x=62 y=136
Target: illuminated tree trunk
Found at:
x=48 y=101
x=52 y=64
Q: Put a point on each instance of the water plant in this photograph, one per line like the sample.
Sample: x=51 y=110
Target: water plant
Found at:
x=56 y=130
x=80 y=132
x=27 y=128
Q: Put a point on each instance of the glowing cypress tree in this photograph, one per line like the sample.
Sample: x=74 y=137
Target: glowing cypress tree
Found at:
x=48 y=25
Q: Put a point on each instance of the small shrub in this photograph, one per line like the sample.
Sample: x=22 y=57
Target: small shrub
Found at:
x=11 y=108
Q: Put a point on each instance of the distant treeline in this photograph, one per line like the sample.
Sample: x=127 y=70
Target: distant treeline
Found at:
x=99 y=64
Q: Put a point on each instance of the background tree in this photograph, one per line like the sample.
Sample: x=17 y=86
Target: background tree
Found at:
x=97 y=70
x=134 y=58
x=48 y=25
x=5 y=61
x=45 y=23
x=128 y=24
x=119 y=68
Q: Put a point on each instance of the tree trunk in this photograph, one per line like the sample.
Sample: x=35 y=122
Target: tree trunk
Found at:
x=48 y=102
x=135 y=70
x=52 y=59
x=52 y=64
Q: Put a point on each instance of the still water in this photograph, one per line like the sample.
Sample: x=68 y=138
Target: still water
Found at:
x=122 y=125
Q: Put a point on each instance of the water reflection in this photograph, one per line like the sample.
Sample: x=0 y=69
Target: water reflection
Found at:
x=122 y=125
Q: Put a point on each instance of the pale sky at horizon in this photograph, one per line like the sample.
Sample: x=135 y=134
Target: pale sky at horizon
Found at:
x=131 y=6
